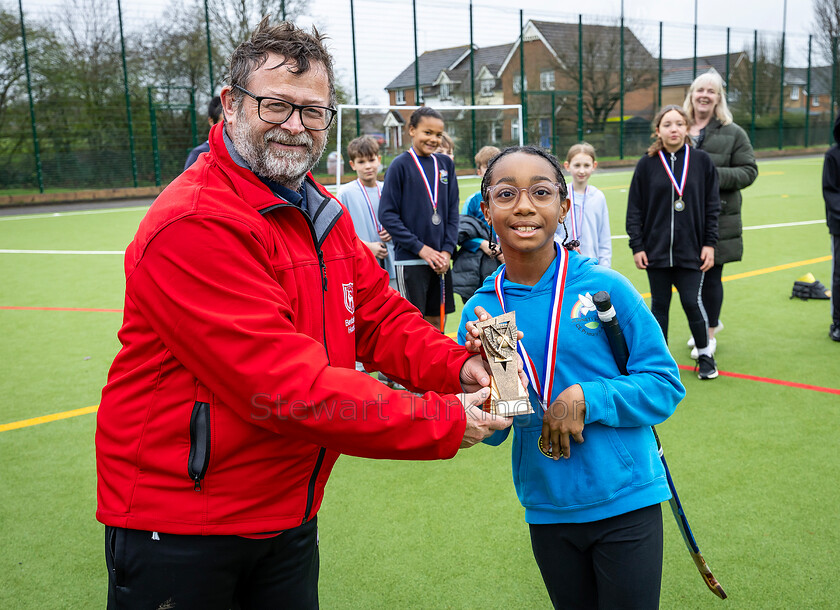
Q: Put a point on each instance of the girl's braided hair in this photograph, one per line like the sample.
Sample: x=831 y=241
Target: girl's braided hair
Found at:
x=539 y=152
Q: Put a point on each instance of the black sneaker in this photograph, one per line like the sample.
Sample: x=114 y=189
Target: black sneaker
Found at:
x=834 y=333
x=706 y=367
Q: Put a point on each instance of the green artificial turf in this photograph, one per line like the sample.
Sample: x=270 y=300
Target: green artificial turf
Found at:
x=755 y=463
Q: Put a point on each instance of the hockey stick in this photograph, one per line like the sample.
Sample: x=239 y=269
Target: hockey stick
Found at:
x=618 y=346
x=442 y=302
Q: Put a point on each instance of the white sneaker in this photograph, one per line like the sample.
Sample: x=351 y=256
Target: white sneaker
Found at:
x=695 y=353
x=715 y=330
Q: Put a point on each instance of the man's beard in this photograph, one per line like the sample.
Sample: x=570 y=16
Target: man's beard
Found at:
x=286 y=167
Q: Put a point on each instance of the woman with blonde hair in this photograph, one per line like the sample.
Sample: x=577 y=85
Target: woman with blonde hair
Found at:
x=713 y=131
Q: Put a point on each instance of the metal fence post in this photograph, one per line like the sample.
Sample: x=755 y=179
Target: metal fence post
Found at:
x=416 y=60
x=37 y=149
x=193 y=123
x=209 y=48
x=522 y=97
x=153 y=124
x=355 y=71
x=472 y=84
x=553 y=125
x=833 y=88
x=621 y=92
x=659 y=74
x=782 y=97
x=283 y=8
x=694 y=64
x=808 y=96
x=726 y=79
x=127 y=100
x=754 y=78
x=580 y=80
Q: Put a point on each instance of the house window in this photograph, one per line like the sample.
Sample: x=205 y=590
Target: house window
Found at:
x=444 y=91
x=794 y=93
x=399 y=96
x=487 y=86
x=815 y=100
x=514 y=130
x=547 y=80
x=517 y=83
x=496 y=133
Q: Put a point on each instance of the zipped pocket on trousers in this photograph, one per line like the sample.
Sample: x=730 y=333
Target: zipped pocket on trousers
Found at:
x=199 y=443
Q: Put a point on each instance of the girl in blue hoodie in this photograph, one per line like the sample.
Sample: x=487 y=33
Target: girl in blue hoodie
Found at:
x=594 y=515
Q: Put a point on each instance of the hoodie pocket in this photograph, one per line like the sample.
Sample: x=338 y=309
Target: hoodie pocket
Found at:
x=594 y=473
x=199 y=443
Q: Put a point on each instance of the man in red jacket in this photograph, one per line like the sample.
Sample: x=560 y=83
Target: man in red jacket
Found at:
x=248 y=300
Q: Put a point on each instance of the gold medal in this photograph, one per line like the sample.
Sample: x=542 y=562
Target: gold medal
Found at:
x=679 y=205
x=543 y=450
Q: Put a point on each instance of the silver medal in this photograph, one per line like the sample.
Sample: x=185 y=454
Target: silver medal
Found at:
x=436 y=218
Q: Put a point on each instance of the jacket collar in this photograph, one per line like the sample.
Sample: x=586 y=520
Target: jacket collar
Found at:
x=322 y=208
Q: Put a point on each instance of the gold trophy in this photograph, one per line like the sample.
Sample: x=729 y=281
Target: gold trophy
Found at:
x=498 y=338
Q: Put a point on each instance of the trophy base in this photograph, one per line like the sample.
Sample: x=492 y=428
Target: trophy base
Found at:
x=511 y=408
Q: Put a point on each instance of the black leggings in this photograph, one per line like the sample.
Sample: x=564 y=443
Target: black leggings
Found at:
x=713 y=294
x=612 y=563
x=689 y=283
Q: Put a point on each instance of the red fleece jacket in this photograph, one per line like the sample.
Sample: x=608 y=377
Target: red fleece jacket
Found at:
x=235 y=390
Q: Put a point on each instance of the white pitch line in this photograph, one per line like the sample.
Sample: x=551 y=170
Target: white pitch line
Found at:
x=785 y=224
x=754 y=227
x=78 y=213
x=115 y=252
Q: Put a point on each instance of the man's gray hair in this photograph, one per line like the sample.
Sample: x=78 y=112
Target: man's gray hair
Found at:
x=298 y=48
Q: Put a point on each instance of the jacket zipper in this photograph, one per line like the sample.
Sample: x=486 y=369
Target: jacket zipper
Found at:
x=671 y=250
x=199 y=443
x=310 y=492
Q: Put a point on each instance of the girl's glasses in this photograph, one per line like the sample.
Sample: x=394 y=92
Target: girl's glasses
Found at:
x=542 y=194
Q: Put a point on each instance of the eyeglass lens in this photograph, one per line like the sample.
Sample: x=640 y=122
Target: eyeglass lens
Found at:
x=542 y=194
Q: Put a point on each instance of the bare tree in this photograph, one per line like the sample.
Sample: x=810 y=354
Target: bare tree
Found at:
x=233 y=20
x=827 y=25
x=601 y=55
x=767 y=76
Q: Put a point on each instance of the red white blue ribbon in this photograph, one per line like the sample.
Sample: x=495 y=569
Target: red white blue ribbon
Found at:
x=546 y=391
x=373 y=217
x=681 y=187
x=576 y=225
x=432 y=198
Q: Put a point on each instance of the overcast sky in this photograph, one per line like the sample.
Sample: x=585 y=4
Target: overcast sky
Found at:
x=385 y=41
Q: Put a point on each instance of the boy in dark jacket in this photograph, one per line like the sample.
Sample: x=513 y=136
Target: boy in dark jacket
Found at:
x=831 y=195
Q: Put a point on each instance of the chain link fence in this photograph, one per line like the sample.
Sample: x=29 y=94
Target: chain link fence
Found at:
x=107 y=93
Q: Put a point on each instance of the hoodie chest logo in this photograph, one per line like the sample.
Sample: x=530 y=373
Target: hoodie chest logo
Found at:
x=584 y=316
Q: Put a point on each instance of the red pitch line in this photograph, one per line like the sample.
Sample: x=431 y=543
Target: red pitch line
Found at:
x=790 y=384
x=60 y=309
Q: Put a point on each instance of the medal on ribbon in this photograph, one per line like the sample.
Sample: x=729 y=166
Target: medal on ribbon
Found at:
x=436 y=218
x=679 y=204
x=544 y=389
x=373 y=217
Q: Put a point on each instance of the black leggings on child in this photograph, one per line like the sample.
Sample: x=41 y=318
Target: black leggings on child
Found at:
x=612 y=563
x=713 y=294
x=689 y=284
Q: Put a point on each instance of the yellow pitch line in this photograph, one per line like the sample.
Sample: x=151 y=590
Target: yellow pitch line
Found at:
x=740 y=276
x=25 y=423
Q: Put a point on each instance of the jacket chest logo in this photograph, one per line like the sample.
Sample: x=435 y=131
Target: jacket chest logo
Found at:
x=348 y=297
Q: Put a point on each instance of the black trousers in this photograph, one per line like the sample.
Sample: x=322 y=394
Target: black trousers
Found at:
x=835 y=279
x=689 y=284
x=609 y=564
x=149 y=570
x=713 y=294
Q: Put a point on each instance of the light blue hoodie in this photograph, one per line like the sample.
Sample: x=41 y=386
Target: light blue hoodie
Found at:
x=617 y=468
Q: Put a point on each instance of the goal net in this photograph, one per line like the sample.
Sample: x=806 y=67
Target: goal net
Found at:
x=470 y=127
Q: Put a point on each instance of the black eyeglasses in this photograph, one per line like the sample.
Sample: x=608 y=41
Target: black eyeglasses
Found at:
x=277 y=111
